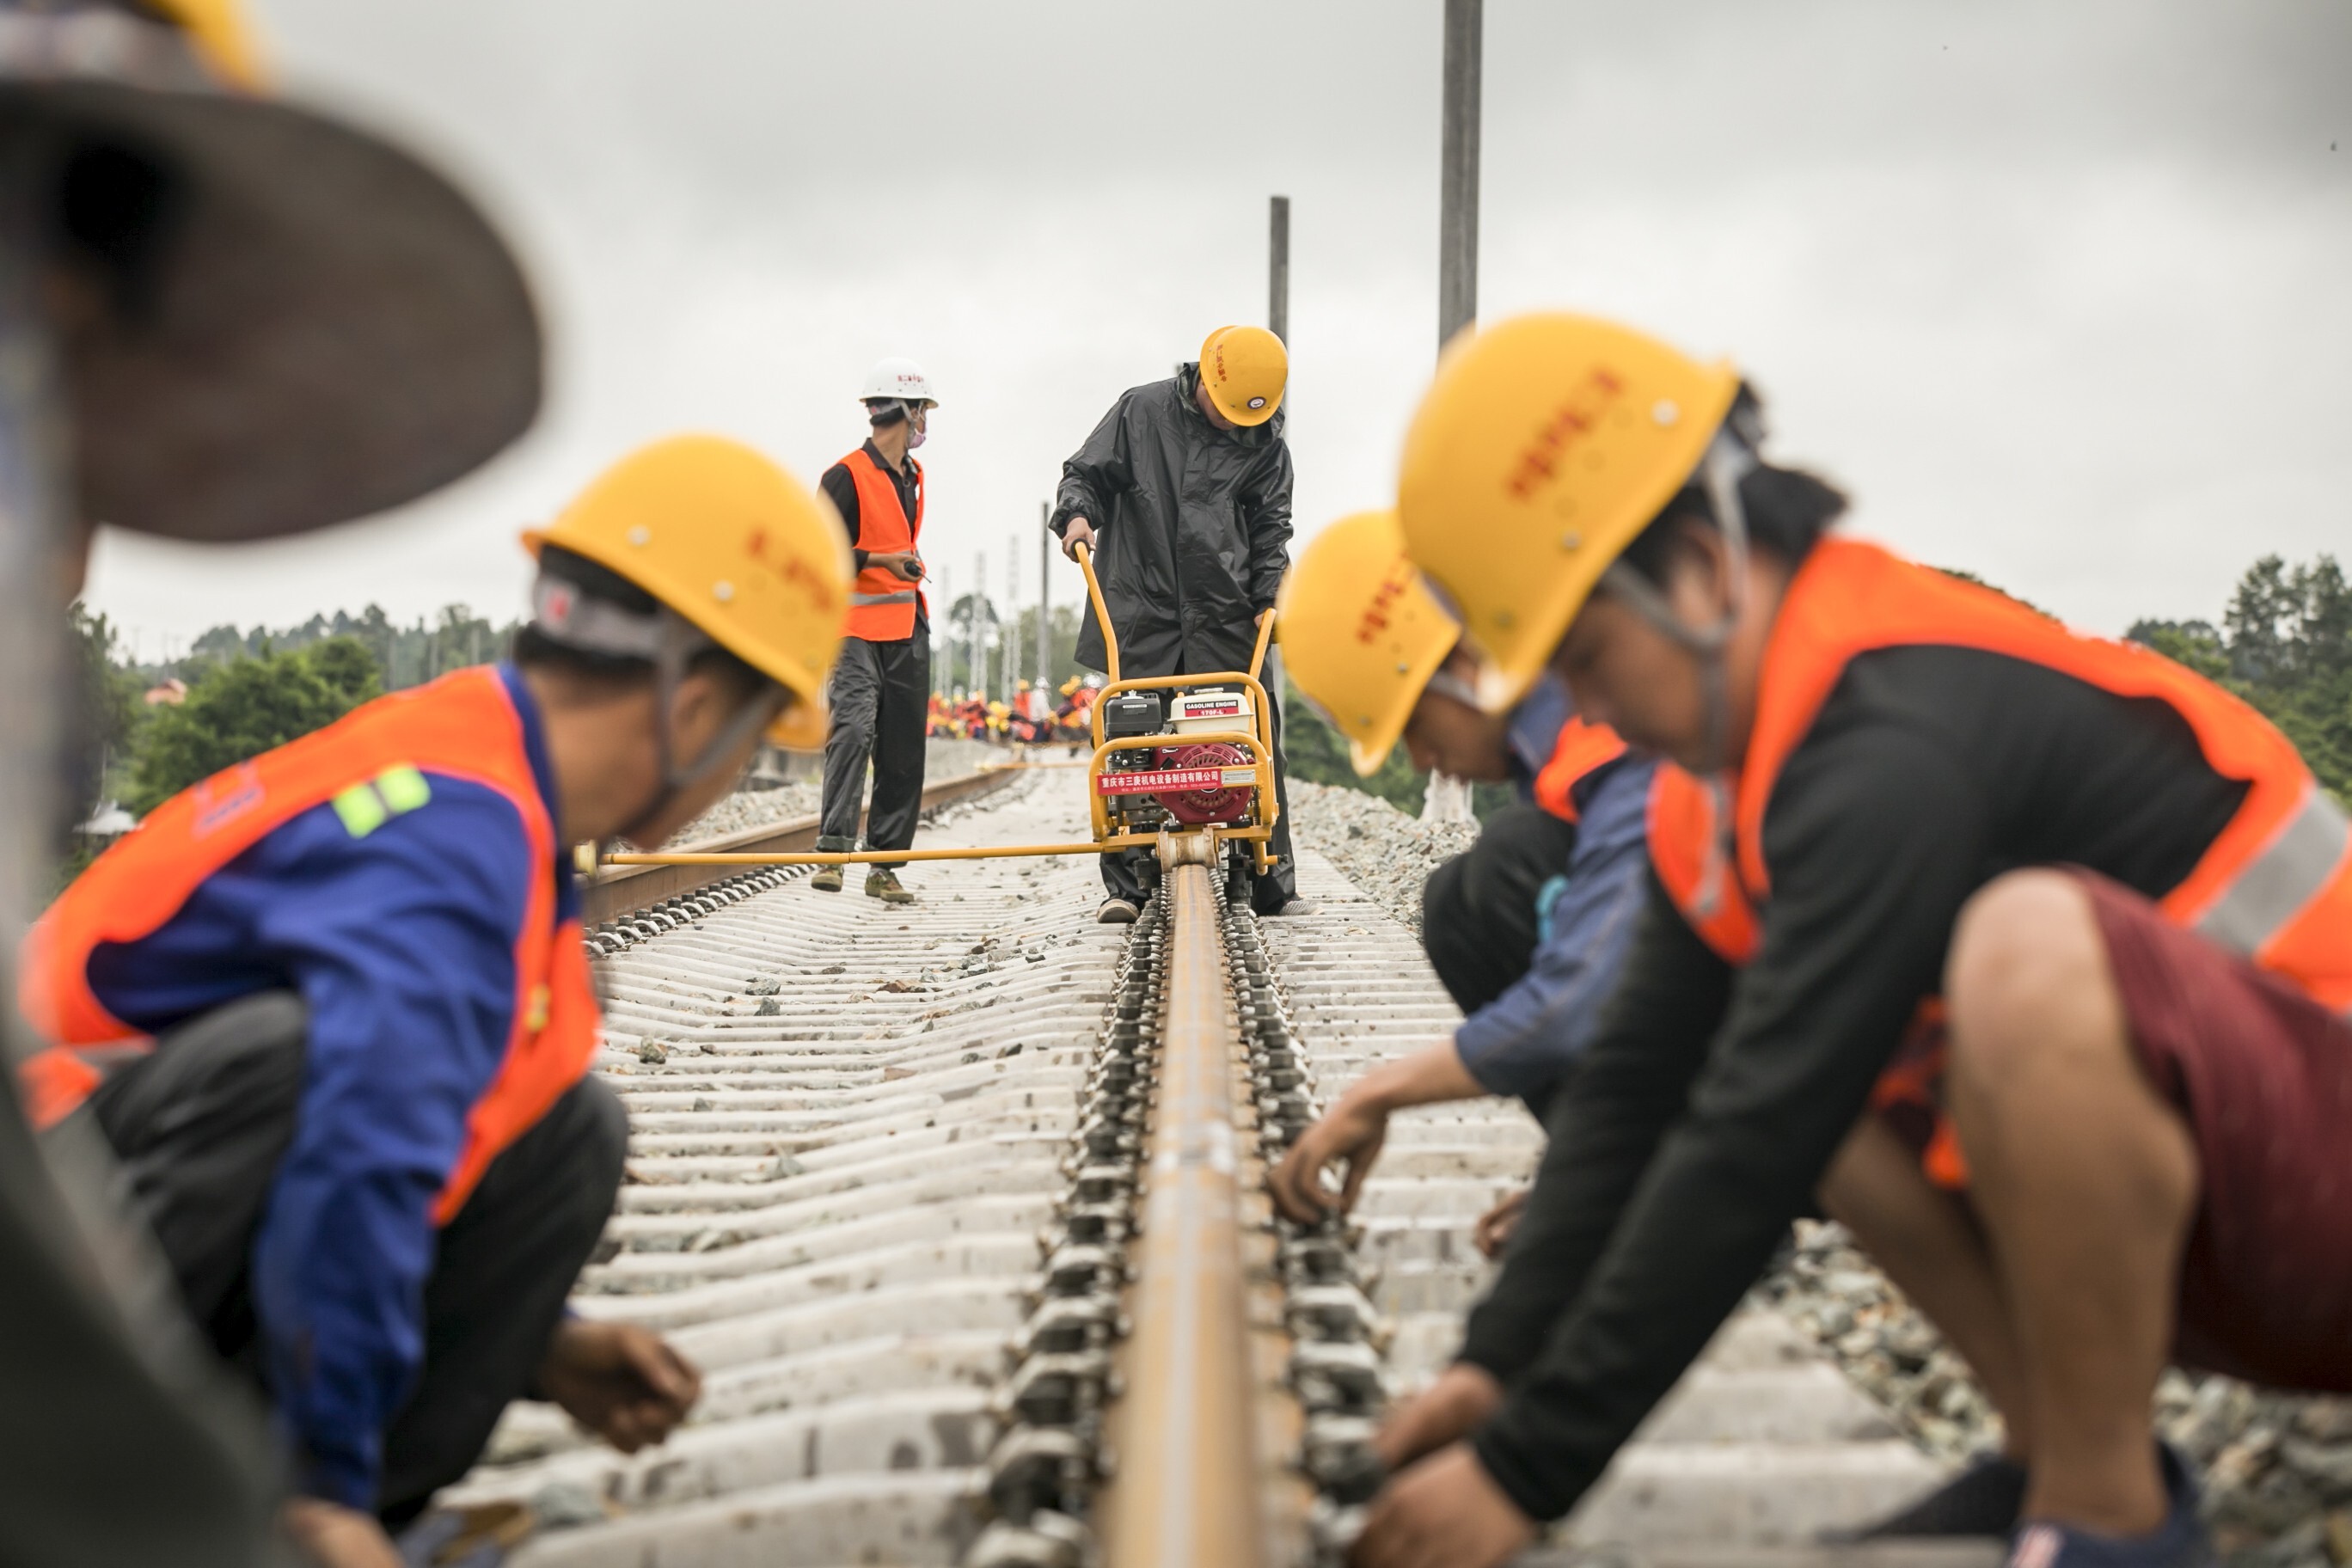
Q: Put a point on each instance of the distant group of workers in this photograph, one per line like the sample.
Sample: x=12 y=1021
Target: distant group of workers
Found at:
x=1838 y=885
x=1029 y=719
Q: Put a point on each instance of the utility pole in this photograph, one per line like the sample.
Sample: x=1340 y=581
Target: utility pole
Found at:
x=943 y=642
x=1457 y=202
x=1009 y=637
x=1448 y=799
x=1044 y=593
x=974 y=670
x=1277 y=269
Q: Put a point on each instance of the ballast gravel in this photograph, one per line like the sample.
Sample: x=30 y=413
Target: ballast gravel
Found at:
x=2276 y=1468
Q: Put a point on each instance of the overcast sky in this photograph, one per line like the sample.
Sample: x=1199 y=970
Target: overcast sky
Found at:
x=2063 y=293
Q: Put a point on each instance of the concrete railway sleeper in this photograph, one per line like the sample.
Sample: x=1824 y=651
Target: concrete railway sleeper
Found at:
x=959 y=1206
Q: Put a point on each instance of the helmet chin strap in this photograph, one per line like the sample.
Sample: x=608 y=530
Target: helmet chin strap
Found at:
x=667 y=641
x=1728 y=459
x=681 y=641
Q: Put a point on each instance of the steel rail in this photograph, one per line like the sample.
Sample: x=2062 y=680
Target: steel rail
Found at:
x=1197 y=1448
x=623 y=885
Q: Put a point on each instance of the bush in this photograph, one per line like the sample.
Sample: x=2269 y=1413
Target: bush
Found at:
x=244 y=708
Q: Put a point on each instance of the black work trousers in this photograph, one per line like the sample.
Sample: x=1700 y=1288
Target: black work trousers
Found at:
x=1121 y=873
x=879 y=694
x=199 y=1128
x=1479 y=919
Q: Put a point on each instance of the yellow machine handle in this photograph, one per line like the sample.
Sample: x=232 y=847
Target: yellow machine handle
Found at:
x=1265 y=636
x=1085 y=556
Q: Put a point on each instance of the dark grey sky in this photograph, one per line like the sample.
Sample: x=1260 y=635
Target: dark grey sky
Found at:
x=2059 y=293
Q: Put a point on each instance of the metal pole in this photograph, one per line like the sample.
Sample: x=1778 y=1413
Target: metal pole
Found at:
x=1008 y=634
x=1277 y=269
x=1457 y=207
x=974 y=674
x=943 y=640
x=1044 y=594
x=1448 y=799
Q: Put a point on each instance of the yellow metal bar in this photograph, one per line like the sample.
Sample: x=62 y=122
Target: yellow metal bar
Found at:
x=1187 y=1488
x=871 y=857
x=1084 y=557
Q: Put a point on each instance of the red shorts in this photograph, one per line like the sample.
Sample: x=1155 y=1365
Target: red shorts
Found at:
x=2263 y=1074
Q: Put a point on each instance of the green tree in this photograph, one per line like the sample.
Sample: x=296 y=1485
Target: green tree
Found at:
x=2286 y=645
x=1312 y=750
x=110 y=703
x=242 y=709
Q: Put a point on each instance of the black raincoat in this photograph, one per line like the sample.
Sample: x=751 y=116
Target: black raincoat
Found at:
x=1191 y=530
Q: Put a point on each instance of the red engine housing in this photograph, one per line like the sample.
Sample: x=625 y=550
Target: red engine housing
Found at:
x=1199 y=806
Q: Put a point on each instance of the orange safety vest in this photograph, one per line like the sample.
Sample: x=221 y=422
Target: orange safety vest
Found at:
x=1581 y=750
x=462 y=726
x=881 y=603
x=1691 y=854
x=2274 y=886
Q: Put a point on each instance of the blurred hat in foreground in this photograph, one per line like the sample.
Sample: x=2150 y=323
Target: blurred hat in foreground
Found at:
x=292 y=321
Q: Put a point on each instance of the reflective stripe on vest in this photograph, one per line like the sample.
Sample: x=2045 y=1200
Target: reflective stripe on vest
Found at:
x=2275 y=885
x=881 y=605
x=1691 y=853
x=1581 y=750
x=463 y=726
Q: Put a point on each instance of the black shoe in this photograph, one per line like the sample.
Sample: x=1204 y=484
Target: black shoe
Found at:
x=1982 y=1501
x=2181 y=1542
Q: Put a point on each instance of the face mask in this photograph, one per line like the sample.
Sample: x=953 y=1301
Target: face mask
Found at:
x=916 y=430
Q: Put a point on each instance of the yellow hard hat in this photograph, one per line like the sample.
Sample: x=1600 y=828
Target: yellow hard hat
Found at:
x=1361 y=634
x=1543 y=446
x=734 y=545
x=1243 y=369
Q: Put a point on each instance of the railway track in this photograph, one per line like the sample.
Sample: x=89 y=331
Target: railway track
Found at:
x=898 y=1184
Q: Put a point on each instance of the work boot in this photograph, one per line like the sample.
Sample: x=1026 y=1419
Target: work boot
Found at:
x=882 y=883
x=1115 y=913
x=828 y=878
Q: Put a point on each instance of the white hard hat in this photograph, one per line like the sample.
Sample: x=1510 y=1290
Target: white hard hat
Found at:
x=899 y=378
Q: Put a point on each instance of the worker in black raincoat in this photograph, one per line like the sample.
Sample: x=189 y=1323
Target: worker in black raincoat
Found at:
x=1183 y=494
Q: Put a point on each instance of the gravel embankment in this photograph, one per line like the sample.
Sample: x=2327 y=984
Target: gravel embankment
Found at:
x=753 y=808
x=1381 y=850
x=2277 y=1468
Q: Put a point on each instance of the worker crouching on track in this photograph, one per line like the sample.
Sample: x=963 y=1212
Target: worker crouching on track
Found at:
x=1183 y=494
x=2029 y=951
x=332 y=1011
x=1529 y=927
x=882 y=686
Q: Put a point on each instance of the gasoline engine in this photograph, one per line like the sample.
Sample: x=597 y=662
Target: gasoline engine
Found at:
x=1185 y=783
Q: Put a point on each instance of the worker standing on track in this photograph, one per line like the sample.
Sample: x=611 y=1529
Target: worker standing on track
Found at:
x=331 y=1009
x=882 y=685
x=1183 y=494
x=1527 y=929
x=2031 y=952
x=226 y=318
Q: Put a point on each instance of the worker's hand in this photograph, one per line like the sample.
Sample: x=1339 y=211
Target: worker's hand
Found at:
x=329 y=1535
x=903 y=564
x=1448 y=1410
x=1445 y=1512
x=1494 y=1226
x=1350 y=1133
x=1074 y=533
x=621 y=1382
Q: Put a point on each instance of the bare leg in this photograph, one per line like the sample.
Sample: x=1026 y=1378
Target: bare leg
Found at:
x=1930 y=1246
x=2087 y=1183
